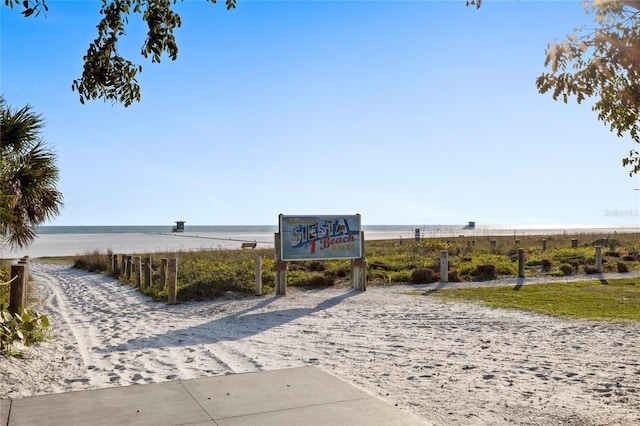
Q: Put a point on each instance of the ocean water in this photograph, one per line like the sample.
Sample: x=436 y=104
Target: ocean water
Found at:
x=264 y=233
x=78 y=240
x=400 y=230
x=151 y=229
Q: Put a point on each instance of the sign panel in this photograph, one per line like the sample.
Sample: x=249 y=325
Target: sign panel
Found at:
x=320 y=237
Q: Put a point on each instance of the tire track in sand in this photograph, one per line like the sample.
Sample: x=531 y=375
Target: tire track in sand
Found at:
x=122 y=337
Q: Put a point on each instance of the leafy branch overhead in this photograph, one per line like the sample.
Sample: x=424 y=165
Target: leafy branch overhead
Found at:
x=106 y=74
x=602 y=63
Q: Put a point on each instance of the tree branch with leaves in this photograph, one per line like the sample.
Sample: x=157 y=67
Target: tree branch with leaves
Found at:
x=602 y=63
x=106 y=74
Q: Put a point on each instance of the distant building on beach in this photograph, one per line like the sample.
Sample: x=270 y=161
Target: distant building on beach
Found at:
x=470 y=225
x=179 y=226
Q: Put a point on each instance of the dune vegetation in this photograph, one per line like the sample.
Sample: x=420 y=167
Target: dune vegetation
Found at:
x=209 y=274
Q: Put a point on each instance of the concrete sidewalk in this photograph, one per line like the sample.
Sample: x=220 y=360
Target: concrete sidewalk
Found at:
x=296 y=396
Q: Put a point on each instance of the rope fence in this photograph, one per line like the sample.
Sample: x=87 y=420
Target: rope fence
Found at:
x=142 y=270
x=10 y=281
x=217 y=238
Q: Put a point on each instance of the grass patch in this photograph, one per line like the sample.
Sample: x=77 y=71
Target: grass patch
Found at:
x=613 y=300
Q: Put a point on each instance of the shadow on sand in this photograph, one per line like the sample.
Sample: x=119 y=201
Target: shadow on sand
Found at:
x=232 y=327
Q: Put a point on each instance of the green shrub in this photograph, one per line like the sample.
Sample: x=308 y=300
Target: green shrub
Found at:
x=199 y=279
x=398 y=261
x=531 y=261
x=200 y=291
x=93 y=262
x=545 y=265
x=325 y=280
x=423 y=276
x=566 y=269
x=622 y=267
x=317 y=266
x=454 y=276
x=580 y=255
x=486 y=272
x=403 y=276
x=588 y=269
x=502 y=266
x=378 y=275
x=26 y=328
x=341 y=273
x=310 y=279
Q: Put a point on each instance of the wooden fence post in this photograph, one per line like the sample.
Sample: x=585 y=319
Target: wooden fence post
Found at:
x=114 y=262
x=544 y=244
x=137 y=269
x=574 y=243
x=18 y=290
x=25 y=279
x=128 y=267
x=146 y=263
x=599 y=259
x=353 y=272
x=258 y=275
x=280 y=269
x=359 y=269
x=164 y=262
x=521 y=263
x=359 y=274
x=444 y=266
x=173 y=281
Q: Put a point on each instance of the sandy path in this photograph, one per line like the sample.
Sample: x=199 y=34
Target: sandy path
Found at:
x=449 y=363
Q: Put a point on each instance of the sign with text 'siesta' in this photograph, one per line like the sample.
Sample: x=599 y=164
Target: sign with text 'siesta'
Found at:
x=320 y=237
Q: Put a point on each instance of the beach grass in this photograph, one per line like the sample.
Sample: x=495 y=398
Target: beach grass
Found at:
x=611 y=300
x=211 y=273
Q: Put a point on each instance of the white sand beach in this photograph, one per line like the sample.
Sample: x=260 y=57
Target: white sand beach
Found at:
x=48 y=245
x=446 y=362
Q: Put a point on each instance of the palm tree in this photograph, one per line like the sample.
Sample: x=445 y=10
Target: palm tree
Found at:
x=28 y=176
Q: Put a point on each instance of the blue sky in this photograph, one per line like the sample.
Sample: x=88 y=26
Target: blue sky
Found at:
x=420 y=113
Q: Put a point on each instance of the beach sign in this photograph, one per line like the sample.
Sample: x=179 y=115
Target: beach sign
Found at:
x=320 y=237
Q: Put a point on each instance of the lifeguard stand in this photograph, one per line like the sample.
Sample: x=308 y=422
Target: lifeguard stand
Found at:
x=179 y=227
